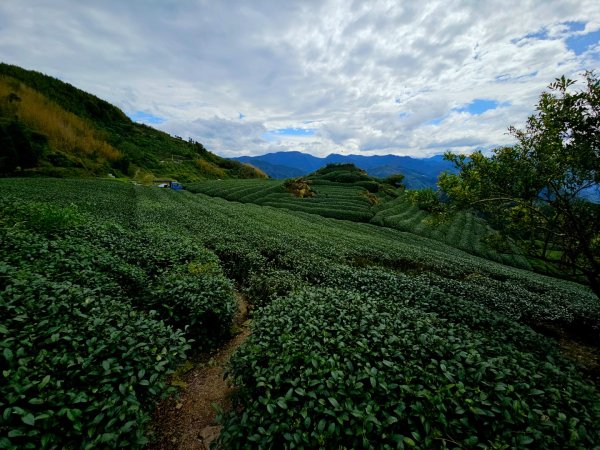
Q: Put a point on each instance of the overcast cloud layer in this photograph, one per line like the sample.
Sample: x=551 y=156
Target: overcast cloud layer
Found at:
x=372 y=77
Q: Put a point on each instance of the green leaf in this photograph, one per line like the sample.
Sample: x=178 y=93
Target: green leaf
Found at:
x=107 y=437
x=525 y=440
x=334 y=402
x=8 y=354
x=321 y=426
x=472 y=440
x=409 y=441
x=44 y=382
x=28 y=419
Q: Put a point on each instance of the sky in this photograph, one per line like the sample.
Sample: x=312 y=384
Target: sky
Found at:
x=318 y=76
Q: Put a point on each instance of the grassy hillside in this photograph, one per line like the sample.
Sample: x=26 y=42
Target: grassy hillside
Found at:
x=52 y=128
x=363 y=336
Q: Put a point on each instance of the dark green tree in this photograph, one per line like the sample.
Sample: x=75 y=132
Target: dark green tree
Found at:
x=19 y=147
x=396 y=180
x=537 y=191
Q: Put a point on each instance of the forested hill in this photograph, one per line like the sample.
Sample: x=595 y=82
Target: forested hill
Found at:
x=49 y=127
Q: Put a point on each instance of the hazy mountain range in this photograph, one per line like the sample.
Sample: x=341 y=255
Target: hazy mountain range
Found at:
x=418 y=172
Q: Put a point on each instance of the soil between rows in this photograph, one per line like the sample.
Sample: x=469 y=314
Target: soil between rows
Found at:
x=188 y=421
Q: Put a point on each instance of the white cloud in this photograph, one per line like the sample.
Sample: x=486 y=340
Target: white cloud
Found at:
x=370 y=76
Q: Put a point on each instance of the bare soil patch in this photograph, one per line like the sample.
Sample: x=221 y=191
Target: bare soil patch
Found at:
x=188 y=421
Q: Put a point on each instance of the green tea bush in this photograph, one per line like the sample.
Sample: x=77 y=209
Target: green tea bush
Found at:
x=93 y=317
x=335 y=369
x=197 y=299
x=41 y=217
x=80 y=369
x=239 y=260
x=473 y=305
x=267 y=285
x=416 y=212
x=371 y=186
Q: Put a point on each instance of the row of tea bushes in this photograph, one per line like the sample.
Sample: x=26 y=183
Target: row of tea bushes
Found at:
x=328 y=368
x=93 y=318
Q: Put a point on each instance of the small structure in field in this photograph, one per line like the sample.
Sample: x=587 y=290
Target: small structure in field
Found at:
x=169 y=184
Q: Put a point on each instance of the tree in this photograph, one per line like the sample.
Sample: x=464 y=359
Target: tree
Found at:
x=537 y=191
x=19 y=146
x=396 y=180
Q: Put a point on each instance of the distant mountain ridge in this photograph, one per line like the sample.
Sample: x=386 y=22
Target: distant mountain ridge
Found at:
x=419 y=172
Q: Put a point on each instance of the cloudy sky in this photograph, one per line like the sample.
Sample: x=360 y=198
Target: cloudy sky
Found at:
x=371 y=77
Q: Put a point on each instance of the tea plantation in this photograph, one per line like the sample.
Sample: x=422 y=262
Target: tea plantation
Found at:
x=461 y=229
x=329 y=200
x=354 y=201
x=363 y=336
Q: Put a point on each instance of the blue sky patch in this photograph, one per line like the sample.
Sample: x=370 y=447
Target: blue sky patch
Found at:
x=479 y=106
x=575 y=26
x=582 y=42
x=147 y=118
x=295 y=131
x=275 y=135
x=540 y=35
x=435 y=121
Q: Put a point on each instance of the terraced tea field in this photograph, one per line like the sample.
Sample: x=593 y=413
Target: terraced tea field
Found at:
x=330 y=200
x=363 y=336
x=352 y=202
x=461 y=230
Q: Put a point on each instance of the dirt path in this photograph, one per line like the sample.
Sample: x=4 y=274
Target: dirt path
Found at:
x=189 y=423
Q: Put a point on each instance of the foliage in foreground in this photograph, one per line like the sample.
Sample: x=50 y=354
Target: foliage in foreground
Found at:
x=91 y=324
x=337 y=369
x=274 y=253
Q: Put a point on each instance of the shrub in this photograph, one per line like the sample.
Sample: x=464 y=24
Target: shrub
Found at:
x=267 y=285
x=195 y=299
x=334 y=369
x=80 y=369
x=426 y=199
x=93 y=317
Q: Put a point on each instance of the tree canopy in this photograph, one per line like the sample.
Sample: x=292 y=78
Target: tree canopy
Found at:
x=537 y=191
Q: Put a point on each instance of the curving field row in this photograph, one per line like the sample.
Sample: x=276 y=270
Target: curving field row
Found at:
x=330 y=200
x=462 y=230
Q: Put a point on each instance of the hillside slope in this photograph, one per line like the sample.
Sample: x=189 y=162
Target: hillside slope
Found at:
x=53 y=128
x=335 y=191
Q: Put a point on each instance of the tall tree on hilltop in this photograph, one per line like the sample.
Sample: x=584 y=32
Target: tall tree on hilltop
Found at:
x=537 y=191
